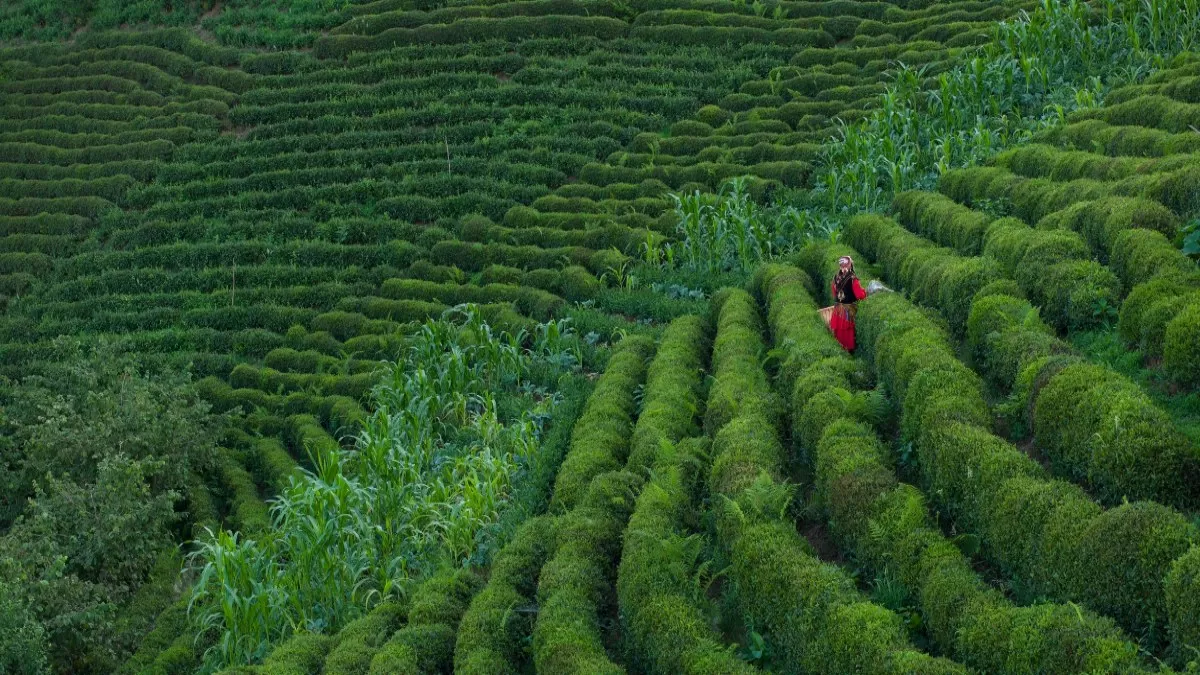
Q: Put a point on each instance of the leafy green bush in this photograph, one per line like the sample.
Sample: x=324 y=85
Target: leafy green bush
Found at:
x=1181 y=345
x=1183 y=592
x=601 y=436
x=493 y=629
x=740 y=386
x=1031 y=527
x=425 y=645
x=359 y=640
x=672 y=394
x=576 y=583
x=1103 y=430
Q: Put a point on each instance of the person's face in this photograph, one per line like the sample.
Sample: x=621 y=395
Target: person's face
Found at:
x=843 y=265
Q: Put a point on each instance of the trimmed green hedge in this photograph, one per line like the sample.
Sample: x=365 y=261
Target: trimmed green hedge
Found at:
x=1183 y=606
x=739 y=386
x=601 y=436
x=248 y=513
x=674 y=383
x=357 y=643
x=809 y=612
x=887 y=526
x=425 y=645
x=668 y=631
x=576 y=585
x=1102 y=430
x=1048 y=536
x=493 y=630
x=513 y=28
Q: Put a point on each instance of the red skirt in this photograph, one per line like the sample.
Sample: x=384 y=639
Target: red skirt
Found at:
x=841 y=322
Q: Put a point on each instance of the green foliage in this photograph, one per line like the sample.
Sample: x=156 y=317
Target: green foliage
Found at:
x=1036 y=69
x=1103 y=430
x=439 y=449
x=1049 y=536
x=103 y=450
x=827 y=625
x=600 y=438
x=98 y=398
x=671 y=399
x=359 y=640
x=575 y=586
x=1094 y=425
x=23 y=649
x=1184 y=617
x=740 y=386
x=1181 y=345
x=494 y=628
x=426 y=643
x=730 y=231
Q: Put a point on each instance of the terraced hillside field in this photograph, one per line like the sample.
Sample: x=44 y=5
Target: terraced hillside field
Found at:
x=412 y=336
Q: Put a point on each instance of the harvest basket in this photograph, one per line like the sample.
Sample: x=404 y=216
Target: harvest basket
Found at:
x=826 y=314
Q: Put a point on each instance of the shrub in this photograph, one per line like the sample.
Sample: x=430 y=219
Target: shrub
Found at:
x=492 y=631
x=424 y=649
x=302 y=653
x=1100 y=428
x=578 y=284
x=358 y=642
x=1133 y=320
x=426 y=644
x=248 y=512
x=740 y=385
x=1139 y=255
x=1181 y=345
x=577 y=580
x=1072 y=291
x=600 y=438
x=960 y=284
x=1183 y=605
x=671 y=396
x=270 y=464
x=1131 y=547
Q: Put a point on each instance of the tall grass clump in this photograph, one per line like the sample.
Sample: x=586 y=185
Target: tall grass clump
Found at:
x=731 y=232
x=432 y=469
x=1037 y=68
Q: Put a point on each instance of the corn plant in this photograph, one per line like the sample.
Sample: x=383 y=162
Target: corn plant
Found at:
x=1037 y=69
x=730 y=231
x=432 y=468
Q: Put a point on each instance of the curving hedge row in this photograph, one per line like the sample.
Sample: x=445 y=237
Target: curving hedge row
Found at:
x=550 y=559
x=664 y=621
x=671 y=400
x=1093 y=424
x=1047 y=535
x=664 y=618
x=425 y=645
x=1133 y=235
x=575 y=588
x=491 y=635
x=810 y=613
x=1122 y=140
x=1053 y=267
x=601 y=436
x=532 y=302
x=887 y=526
x=473 y=29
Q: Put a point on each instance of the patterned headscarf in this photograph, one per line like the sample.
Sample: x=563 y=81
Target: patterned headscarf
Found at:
x=849 y=272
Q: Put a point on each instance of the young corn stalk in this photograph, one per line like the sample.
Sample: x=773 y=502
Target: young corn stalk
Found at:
x=729 y=231
x=433 y=467
x=1036 y=70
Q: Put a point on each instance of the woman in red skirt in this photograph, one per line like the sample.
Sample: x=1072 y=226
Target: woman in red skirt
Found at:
x=846 y=293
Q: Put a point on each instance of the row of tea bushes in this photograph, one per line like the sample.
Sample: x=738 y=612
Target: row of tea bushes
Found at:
x=886 y=524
